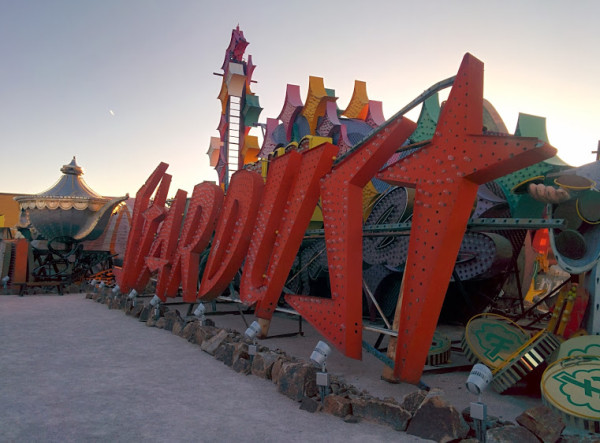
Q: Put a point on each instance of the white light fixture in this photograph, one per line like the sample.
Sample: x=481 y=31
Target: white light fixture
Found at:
x=131 y=296
x=319 y=358
x=116 y=289
x=320 y=353
x=200 y=310
x=156 y=303
x=253 y=330
x=5 y=280
x=479 y=378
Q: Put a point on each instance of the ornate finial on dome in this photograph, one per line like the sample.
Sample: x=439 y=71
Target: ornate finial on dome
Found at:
x=72 y=168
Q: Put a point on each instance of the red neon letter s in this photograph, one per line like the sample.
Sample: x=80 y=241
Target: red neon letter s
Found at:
x=143 y=227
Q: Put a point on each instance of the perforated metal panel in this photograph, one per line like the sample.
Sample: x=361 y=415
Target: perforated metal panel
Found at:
x=153 y=216
x=290 y=196
x=133 y=255
x=233 y=233
x=198 y=227
x=163 y=249
x=339 y=318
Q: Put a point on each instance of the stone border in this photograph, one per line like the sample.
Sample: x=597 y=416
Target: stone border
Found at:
x=296 y=379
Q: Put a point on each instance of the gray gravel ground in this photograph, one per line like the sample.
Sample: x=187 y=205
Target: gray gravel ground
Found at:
x=72 y=370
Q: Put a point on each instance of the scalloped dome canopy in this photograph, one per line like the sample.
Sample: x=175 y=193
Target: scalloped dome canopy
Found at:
x=71 y=184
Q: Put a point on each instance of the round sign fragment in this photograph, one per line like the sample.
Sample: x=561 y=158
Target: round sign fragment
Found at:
x=439 y=352
x=571 y=386
x=491 y=339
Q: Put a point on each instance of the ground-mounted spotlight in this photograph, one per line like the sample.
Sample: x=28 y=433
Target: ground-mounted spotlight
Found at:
x=320 y=353
x=115 y=291
x=199 y=312
x=5 y=281
x=251 y=333
x=155 y=302
x=319 y=358
x=253 y=330
x=479 y=378
x=131 y=296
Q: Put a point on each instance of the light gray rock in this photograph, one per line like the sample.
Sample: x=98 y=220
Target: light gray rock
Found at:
x=211 y=345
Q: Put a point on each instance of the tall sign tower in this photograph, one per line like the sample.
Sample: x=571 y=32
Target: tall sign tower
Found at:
x=239 y=113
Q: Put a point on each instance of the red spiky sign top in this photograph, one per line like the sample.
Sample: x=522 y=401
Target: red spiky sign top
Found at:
x=236 y=48
x=446 y=174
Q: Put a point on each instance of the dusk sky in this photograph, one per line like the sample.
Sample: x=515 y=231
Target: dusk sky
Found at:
x=126 y=84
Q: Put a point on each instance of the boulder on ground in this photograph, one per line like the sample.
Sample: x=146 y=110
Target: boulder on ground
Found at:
x=297 y=380
x=543 y=422
x=385 y=412
x=449 y=423
x=510 y=434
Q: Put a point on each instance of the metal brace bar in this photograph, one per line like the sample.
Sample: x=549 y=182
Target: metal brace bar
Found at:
x=372 y=297
x=413 y=104
x=474 y=224
x=379 y=355
x=247 y=311
x=380 y=330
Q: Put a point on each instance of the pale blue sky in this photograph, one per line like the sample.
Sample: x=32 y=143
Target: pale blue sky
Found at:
x=66 y=64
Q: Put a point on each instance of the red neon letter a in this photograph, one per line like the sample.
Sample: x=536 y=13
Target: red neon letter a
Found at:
x=199 y=224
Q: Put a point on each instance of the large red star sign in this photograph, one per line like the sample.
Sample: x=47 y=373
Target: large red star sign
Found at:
x=446 y=174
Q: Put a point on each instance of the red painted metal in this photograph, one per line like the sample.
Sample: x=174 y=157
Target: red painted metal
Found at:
x=153 y=217
x=140 y=229
x=163 y=249
x=198 y=227
x=446 y=174
x=290 y=196
x=233 y=233
x=340 y=318
x=21 y=267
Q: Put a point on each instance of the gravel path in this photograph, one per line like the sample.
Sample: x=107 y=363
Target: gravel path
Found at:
x=73 y=370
